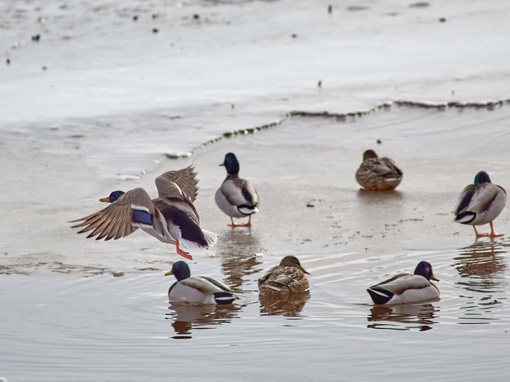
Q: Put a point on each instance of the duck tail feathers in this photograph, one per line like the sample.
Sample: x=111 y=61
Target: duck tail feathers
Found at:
x=465 y=217
x=247 y=209
x=210 y=237
x=379 y=296
x=208 y=240
x=223 y=298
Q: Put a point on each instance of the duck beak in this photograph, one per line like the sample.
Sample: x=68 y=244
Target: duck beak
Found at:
x=222 y=164
x=305 y=271
x=105 y=199
x=434 y=278
x=169 y=273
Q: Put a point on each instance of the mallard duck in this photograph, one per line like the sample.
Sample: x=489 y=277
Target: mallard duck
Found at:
x=287 y=277
x=405 y=288
x=480 y=203
x=236 y=197
x=378 y=174
x=197 y=289
x=170 y=218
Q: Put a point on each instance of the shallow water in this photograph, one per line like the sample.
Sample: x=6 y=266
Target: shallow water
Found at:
x=108 y=328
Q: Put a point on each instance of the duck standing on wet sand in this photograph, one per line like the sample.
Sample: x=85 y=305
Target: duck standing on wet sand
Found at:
x=197 y=289
x=170 y=218
x=236 y=197
x=480 y=203
x=378 y=174
x=287 y=277
x=405 y=288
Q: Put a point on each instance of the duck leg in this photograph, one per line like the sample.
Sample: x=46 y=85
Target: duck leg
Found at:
x=181 y=252
x=491 y=234
x=233 y=225
x=494 y=234
x=479 y=234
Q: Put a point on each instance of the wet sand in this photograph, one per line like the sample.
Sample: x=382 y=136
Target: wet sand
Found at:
x=304 y=172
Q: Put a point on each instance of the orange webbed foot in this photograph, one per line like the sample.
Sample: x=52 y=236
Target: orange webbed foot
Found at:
x=181 y=252
x=494 y=234
x=234 y=225
x=240 y=225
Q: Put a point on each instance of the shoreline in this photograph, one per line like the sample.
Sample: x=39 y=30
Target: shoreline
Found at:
x=304 y=171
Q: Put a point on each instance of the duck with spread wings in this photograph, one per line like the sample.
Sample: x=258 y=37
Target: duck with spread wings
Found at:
x=171 y=217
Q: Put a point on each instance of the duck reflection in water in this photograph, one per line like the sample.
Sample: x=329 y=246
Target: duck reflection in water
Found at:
x=482 y=266
x=187 y=318
x=288 y=305
x=239 y=254
x=402 y=317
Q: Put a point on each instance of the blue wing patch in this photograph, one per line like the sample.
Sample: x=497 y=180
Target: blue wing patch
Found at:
x=141 y=217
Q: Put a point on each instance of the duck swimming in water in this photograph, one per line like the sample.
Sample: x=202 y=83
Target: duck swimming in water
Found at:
x=197 y=289
x=405 y=288
x=287 y=277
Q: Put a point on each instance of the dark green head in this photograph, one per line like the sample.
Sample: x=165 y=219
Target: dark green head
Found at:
x=180 y=270
x=231 y=164
x=425 y=269
x=112 y=197
x=482 y=177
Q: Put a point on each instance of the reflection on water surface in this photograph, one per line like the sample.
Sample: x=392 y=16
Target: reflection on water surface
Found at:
x=287 y=305
x=402 y=317
x=482 y=267
x=187 y=317
x=238 y=249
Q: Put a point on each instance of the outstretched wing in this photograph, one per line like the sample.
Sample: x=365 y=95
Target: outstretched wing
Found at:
x=132 y=210
x=178 y=184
